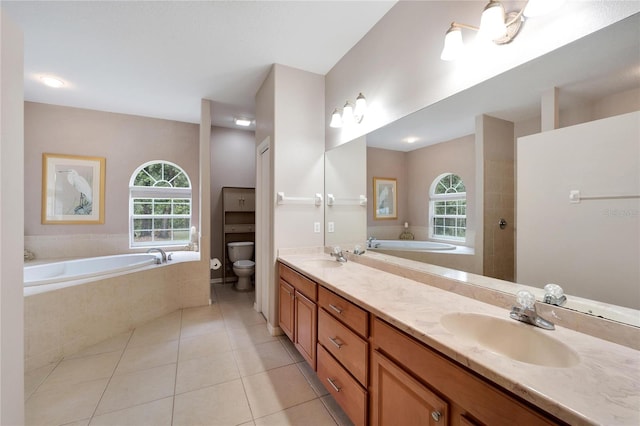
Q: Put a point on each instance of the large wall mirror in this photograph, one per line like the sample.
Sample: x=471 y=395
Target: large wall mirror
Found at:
x=480 y=135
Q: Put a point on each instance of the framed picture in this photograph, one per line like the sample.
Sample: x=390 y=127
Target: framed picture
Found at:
x=385 y=198
x=72 y=189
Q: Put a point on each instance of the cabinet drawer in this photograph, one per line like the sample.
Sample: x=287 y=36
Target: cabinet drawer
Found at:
x=346 y=346
x=301 y=283
x=345 y=311
x=239 y=228
x=345 y=390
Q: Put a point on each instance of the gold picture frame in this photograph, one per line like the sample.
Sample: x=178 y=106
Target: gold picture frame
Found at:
x=385 y=198
x=72 y=189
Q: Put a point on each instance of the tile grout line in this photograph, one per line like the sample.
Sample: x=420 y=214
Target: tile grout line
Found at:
x=175 y=377
x=111 y=377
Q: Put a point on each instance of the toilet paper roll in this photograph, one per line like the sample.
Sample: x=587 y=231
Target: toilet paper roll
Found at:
x=215 y=264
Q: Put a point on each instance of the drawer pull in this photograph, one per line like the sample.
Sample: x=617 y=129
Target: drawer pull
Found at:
x=436 y=415
x=335 y=308
x=335 y=342
x=333 y=385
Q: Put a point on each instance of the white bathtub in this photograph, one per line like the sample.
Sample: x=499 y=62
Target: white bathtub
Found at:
x=70 y=270
x=410 y=245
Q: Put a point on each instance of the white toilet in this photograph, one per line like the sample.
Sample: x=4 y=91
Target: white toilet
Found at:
x=240 y=253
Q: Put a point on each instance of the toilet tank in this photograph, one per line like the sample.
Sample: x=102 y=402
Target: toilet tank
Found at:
x=242 y=250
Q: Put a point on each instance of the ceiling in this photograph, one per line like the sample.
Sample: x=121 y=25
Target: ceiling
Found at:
x=159 y=59
x=603 y=63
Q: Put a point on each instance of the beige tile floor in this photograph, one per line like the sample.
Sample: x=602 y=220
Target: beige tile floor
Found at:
x=214 y=365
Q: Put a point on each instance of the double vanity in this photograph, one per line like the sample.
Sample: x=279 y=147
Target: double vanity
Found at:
x=395 y=350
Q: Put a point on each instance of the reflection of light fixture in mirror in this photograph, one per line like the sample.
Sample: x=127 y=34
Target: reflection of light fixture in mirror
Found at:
x=52 y=81
x=244 y=122
x=350 y=114
x=495 y=25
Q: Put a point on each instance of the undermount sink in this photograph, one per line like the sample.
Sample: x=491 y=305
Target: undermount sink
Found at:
x=323 y=263
x=513 y=339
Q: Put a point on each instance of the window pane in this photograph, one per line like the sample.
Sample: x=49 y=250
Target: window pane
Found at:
x=162 y=207
x=181 y=223
x=181 y=234
x=161 y=235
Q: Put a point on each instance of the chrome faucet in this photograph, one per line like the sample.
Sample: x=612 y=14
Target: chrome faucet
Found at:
x=371 y=242
x=337 y=253
x=554 y=295
x=525 y=311
x=162 y=254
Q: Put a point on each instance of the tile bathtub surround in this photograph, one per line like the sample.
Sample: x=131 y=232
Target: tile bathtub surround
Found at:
x=602 y=388
x=67 y=320
x=205 y=365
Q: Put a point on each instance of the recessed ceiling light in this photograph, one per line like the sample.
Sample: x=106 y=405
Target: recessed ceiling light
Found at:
x=52 y=81
x=411 y=140
x=244 y=122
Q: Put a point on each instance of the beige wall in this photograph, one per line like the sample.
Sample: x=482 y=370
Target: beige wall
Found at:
x=384 y=163
x=233 y=163
x=11 y=224
x=126 y=141
x=415 y=171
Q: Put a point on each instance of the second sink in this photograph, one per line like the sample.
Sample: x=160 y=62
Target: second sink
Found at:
x=512 y=339
x=323 y=263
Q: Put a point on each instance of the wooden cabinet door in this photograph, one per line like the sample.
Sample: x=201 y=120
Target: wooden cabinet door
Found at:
x=399 y=399
x=306 y=328
x=286 y=310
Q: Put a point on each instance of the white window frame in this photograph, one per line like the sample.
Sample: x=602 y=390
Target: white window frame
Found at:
x=158 y=192
x=451 y=196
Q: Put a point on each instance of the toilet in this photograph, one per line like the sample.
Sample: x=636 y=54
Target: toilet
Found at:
x=240 y=254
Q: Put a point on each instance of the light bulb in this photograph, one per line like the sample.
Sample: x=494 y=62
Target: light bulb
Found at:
x=336 y=120
x=361 y=108
x=492 y=23
x=347 y=114
x=453 y=44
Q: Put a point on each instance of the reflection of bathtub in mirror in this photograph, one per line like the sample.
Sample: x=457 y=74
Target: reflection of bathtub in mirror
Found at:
x=443 y=254
x=410 y=245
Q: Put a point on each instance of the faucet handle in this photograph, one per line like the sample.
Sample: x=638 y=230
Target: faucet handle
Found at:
x=525 y=299
x=553 y=294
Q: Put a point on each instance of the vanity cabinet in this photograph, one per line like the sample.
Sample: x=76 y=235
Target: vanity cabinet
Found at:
x=298 y=311
x=343 y=353
x=410 y=379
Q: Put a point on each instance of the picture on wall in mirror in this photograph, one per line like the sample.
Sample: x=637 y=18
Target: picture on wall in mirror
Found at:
x=385 y=198
x=72 y=189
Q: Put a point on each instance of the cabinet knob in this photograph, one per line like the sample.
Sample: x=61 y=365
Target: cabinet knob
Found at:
x=436 y=415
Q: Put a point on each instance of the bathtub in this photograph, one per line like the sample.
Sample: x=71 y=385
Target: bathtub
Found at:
x=451 y=256
x=69 y=306
x=410 y=245
x=71 y=270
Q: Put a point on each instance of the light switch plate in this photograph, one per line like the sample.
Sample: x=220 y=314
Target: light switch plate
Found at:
x=316 y=227
x=331 y=227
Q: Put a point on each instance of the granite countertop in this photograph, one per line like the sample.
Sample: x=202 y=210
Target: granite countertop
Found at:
x=603 y=388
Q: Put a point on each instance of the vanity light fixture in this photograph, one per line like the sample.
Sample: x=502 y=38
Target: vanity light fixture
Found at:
x=350 y=114
x=52 y=81
x=244 y=122
x=495 y=25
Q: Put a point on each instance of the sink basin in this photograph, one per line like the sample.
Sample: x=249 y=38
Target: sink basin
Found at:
x=323 y=263
x=513 y=339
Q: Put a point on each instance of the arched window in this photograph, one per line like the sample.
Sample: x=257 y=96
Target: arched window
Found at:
x=159 y=205
x=448 y=208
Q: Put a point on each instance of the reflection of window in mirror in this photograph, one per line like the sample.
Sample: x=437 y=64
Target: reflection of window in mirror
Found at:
x=448 y=208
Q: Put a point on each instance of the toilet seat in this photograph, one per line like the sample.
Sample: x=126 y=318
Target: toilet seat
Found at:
x=244 y=264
